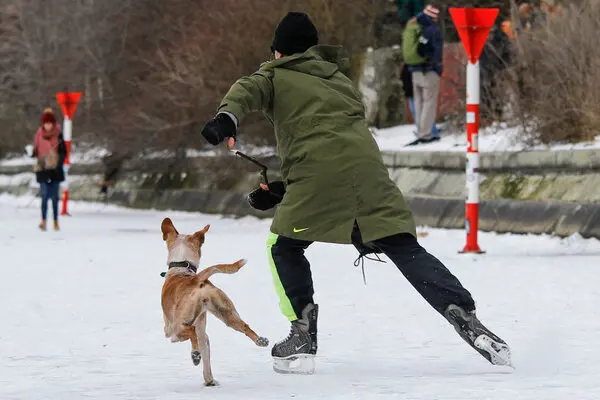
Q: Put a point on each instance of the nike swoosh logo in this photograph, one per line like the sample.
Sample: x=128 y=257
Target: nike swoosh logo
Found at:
x=298 y=348
x=299 y=230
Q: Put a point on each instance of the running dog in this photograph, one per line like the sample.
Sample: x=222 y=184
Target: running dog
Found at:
x=187 y=296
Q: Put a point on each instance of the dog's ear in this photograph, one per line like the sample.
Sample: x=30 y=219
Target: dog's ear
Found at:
x=168 y=228
x=199 y=236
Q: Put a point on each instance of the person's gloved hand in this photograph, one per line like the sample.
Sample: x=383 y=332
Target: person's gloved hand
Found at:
x=219 y=128
x=267 y=197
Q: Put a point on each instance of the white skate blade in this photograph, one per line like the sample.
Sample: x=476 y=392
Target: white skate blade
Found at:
x=302 y=364
x=499 y=352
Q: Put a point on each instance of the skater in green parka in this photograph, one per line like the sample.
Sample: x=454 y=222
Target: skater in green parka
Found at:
x=335 y=188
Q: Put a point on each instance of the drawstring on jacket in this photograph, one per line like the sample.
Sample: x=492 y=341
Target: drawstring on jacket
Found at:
x=361 y=261
x=364 y=249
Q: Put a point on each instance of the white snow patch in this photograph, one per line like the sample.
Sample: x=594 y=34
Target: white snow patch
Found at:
x=29 y=178
x=491 y=139
x=17 y=161
x=87 y=156
x=17 y=179
x=96 y=154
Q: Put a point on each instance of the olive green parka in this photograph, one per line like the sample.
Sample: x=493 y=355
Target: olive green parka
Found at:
x=330 y=162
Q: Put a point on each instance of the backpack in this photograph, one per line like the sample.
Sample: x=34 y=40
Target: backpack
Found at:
x=413 y=45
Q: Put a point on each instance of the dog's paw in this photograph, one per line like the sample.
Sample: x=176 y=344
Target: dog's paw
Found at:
x=211 y=383
x=262 y=342
x=196 y=357
x=241 y=263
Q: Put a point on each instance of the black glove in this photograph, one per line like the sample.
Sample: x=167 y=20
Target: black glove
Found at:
x=266 y=199
x=219 y=128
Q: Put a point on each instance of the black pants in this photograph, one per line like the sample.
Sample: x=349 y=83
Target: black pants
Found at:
x=425 y=272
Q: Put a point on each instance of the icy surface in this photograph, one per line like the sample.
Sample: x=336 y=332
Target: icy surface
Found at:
x=81 y=317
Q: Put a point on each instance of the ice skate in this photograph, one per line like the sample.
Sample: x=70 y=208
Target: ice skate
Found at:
x=296 y=353
x=494 y=349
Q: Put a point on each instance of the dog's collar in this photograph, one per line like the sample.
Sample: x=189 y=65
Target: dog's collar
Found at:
x=181 y=264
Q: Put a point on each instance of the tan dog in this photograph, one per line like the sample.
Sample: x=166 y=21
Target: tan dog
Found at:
x=187 y=296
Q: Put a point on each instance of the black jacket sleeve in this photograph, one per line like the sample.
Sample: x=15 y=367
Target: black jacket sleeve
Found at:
x=62 y=150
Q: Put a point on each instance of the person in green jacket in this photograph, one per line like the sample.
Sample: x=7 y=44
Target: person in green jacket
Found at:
x=335 y=188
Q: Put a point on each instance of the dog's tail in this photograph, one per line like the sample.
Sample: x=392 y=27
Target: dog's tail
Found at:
x=222 y=269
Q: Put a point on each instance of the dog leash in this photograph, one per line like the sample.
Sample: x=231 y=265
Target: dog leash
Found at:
x=263 y=167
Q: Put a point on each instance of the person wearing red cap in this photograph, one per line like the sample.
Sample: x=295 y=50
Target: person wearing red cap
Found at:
x=50 y=151
x=335 y=188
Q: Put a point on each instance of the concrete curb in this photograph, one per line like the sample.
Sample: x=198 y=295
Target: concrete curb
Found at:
x=526 y=161
x=204 y=201
x=522 y=162
x=502 y=216
x=510 y=216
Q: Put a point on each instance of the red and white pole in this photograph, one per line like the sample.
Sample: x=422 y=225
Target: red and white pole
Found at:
x=67 y=135
x=472 y=167
x=473 y=26
x=68 y=103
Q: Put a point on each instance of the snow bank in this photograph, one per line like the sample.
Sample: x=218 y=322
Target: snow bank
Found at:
x=492 y=139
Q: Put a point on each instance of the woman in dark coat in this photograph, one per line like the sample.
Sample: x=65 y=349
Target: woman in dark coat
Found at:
x=50 y=150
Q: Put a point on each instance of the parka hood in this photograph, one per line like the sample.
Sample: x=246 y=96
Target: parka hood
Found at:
x=321 y=60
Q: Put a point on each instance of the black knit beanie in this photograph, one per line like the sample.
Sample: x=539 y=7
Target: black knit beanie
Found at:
x=295 y=34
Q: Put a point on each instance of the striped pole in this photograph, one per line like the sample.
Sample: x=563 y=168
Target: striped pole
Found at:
x=67 y=134
x=472 y=167
x=68 y=103
x=473 y=26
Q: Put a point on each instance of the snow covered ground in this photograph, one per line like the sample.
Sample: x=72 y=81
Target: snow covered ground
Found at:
x=86 y=156
x=81 y=318
x=496 y=138
x=91 y=155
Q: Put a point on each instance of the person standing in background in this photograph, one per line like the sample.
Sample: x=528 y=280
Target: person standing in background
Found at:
x=50 y=151
x=422 y=50
x=407 y=86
